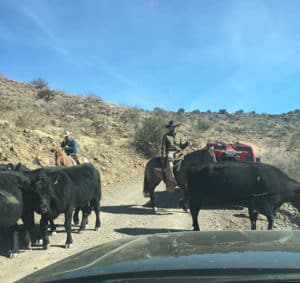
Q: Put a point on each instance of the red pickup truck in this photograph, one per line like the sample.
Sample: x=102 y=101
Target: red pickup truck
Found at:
x=233 y=151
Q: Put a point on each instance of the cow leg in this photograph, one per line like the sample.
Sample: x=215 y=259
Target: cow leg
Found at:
x=270 y=218
x=96 y=205
x=195 y=211
x=85 y=213
x=52 y=226
x=253 y=217
x=76 y=217
x=14 y=234
x=28 y=220
x=68 y=222
x=183 y=201
x=27 y=240
x=44 y=231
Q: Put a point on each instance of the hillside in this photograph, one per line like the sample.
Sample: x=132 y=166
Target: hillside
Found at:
x=32 y=124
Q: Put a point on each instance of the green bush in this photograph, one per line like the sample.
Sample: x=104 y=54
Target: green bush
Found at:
x=148 y=136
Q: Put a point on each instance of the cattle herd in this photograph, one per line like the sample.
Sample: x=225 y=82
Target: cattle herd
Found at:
x=48 y=191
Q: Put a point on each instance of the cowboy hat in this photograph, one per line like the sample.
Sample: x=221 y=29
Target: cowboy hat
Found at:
x=172 y=124
x=68 y=133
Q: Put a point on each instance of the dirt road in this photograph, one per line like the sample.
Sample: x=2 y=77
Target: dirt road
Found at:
x=123 y=214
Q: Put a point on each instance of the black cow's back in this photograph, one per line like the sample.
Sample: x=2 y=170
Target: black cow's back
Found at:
x=231 y=182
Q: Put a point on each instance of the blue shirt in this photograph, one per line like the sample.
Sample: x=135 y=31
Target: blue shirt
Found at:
x=70 y=146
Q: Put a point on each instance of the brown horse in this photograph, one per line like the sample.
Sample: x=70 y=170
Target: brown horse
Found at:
x=61 y=158
x=154 y=174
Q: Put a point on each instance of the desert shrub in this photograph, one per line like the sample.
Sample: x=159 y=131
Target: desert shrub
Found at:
x=196 y=112
x=294 y=142
x=202 y=125
x=39 y=83
x=100 y=125
x=93 y=98
x=239 y=112
x=160 y=112
x=131 y=114
x=30 y=120
x=45 y=94
x=180 y=111
x=223 y=111
x=284 y=160
x=148 y=136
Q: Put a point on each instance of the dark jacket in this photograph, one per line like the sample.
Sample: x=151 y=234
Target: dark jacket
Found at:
x=70 y=146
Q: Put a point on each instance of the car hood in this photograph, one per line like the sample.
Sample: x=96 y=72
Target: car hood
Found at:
x=214 y=250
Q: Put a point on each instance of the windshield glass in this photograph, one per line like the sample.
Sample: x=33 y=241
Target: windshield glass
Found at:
x=132 y=118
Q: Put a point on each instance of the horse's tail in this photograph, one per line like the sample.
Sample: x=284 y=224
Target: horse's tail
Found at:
x=146 y=186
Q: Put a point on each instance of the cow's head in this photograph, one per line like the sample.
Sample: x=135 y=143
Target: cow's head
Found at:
x=44 y=187
x=42 y=191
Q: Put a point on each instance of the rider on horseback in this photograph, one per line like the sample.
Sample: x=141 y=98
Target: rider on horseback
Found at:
x=171 y=151
x=69 y=144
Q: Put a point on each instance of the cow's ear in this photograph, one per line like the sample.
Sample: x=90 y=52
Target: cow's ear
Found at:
x=57 y=179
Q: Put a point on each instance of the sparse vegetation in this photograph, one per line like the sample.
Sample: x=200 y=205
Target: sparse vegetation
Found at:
x=106 y=131
x=39 y=83
x=148 y=137
x=45 y=94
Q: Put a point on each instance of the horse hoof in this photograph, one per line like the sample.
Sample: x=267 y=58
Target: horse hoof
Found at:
x=39 y=242
x=53 y=233
x=154 y=209
x=97 y=229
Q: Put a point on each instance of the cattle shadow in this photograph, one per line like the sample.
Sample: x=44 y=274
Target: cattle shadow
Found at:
x=126 y=209
x=165 y=199
x=145 y=231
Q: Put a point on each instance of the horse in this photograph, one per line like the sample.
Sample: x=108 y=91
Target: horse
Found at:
x=61 y=158
x=154 y=174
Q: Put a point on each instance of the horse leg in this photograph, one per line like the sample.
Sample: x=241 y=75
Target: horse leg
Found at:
x=152 y=200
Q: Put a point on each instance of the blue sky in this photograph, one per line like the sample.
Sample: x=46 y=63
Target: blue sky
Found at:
x=172 y=54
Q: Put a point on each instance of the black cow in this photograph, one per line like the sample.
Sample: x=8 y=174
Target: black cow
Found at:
x=29 y=214
x=14 y=190
x=61 y=190
x=261 y=188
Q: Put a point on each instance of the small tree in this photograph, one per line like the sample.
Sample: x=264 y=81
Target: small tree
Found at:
x=223 y=111
x=180 y=111
x=39 y=83
x=148 y=136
